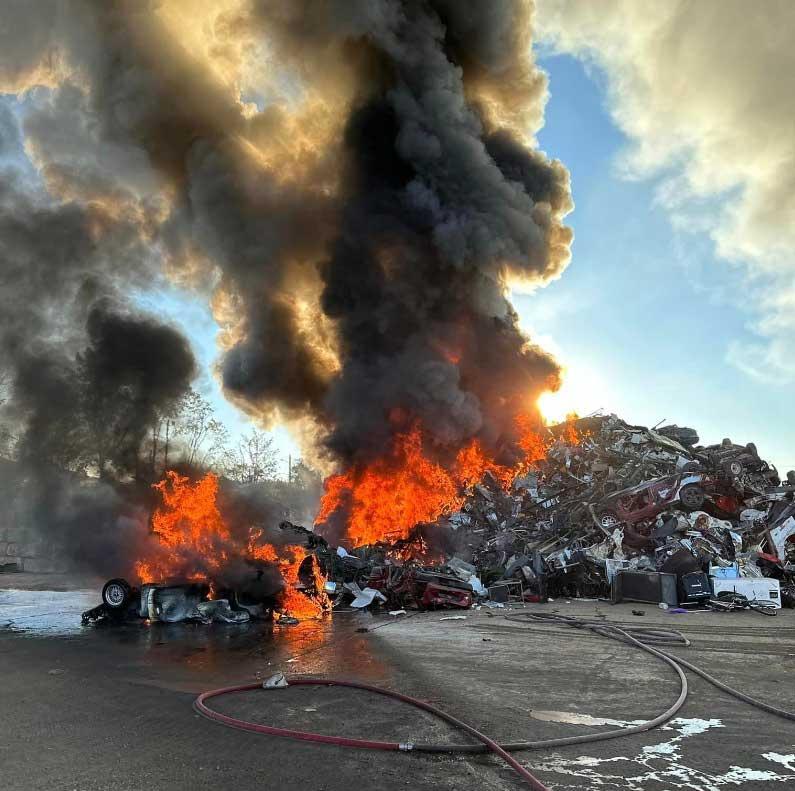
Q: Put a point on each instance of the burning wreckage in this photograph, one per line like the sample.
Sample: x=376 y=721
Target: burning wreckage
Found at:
x=607 y=510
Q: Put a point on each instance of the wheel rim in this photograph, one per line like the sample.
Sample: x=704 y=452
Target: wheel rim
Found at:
x=608 y=520
x=691 y=499
x=115 y=595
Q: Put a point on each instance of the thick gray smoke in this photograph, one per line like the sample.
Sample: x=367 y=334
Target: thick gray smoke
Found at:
x=352 y=182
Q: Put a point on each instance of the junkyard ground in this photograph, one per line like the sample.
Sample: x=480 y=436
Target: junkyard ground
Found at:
x=110 y=708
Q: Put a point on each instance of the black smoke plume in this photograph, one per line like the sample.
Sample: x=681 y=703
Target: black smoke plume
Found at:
x=353 y=183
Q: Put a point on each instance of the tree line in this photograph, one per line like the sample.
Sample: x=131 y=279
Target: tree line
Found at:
x=101 y=438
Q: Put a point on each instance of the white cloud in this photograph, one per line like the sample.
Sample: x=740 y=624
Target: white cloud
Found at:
x=703 y=90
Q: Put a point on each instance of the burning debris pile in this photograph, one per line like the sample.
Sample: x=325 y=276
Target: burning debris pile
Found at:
x=609 y=496
x=199 y=564
x=597 y=508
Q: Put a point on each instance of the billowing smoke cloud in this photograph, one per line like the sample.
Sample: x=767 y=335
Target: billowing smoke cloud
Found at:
x=440 y=203
x=353 y=184
x=702 y=89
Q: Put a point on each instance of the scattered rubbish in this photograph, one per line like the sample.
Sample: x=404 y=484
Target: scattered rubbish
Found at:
x=397 y=612
x=453 y=618
x=727 y=601
x=639 y=612
x=363 y=598
x=764 y=590
x=611 y=500
x=276 y=681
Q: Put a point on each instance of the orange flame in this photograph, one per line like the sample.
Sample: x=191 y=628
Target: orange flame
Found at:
x=291 y=601
x=472 y=462
x=194 y=542
x=192 y=536
x=386 y=499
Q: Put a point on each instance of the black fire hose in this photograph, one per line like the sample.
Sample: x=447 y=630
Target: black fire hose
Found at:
x=643 y=640
x=640 y=637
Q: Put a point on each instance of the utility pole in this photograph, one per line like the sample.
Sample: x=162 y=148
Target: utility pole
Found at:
x=289 y=468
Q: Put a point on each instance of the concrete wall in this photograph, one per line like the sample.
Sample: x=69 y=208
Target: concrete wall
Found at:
x=20 y=543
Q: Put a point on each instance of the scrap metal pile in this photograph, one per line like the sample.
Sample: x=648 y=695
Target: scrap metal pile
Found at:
x=715 y=524
x=609 y=497
x=612 y=496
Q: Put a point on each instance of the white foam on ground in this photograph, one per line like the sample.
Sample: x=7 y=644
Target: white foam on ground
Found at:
x=660 y=763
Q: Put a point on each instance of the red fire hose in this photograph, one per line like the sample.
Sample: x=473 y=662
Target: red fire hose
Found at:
x=342 y=741
x=642 y=638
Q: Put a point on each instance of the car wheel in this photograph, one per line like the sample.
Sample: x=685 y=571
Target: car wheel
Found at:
x=692 y=496
x=608 y=520
x=734 y=468
x=116 y=594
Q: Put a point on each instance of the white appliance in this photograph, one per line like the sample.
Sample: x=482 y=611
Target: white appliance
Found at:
x=761 y=588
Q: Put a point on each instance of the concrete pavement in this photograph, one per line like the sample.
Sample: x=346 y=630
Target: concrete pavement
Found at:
x=110 y=708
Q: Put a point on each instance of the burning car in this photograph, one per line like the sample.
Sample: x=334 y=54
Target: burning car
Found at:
x=170 y=602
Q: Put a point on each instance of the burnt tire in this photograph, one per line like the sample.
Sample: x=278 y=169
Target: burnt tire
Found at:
x=692 y=496
x=116 y=594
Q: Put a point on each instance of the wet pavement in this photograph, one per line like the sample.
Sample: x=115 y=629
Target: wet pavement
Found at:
x=53 y=613
x=110 y=707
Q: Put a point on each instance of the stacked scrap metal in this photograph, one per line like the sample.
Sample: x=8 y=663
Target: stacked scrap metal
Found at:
x=612 y=496
x=609 y=501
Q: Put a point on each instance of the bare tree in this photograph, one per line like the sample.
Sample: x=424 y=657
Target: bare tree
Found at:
x=253 y=460
x=162 y=435
x=301 y=493
x=204 y=437
x=194 y=424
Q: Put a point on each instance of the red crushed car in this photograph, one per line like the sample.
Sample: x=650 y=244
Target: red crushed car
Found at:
x=423 y=588
x=648 y=499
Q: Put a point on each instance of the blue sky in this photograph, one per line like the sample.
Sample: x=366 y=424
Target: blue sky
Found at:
x=644 y=315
